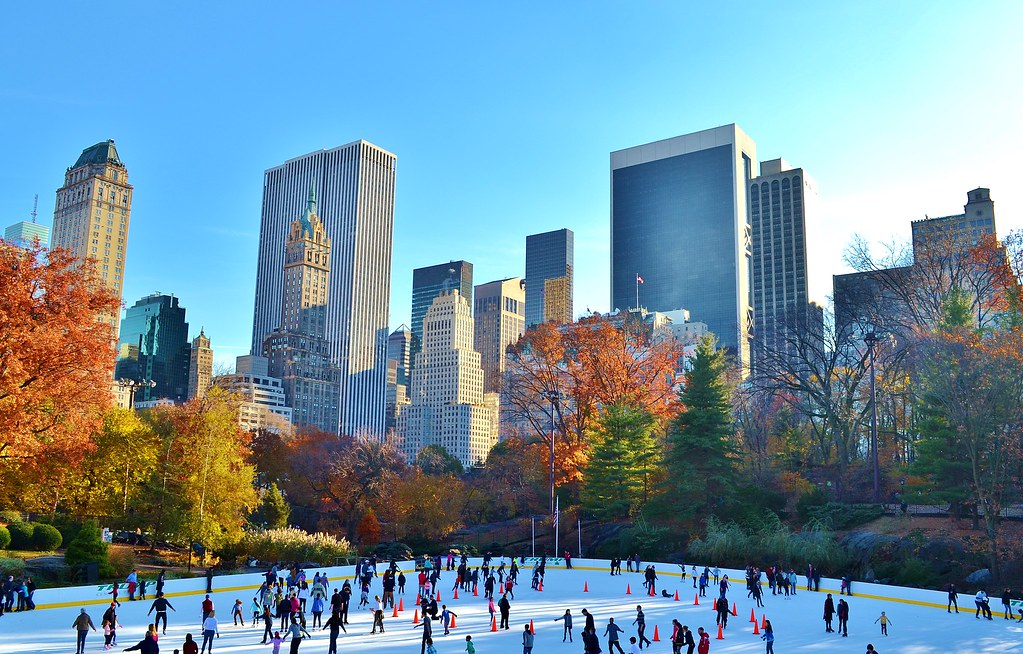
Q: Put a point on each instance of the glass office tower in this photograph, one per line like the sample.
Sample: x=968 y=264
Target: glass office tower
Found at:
x=550 y=259
x=429 y=283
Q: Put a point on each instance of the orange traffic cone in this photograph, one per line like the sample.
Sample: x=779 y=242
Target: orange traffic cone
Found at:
x=752 y=616
x=501 y=588
x=438 y=595
x=696 y=600
x=540 y=587
x=714 y=606
x=676 y=595
x=756 y=628
x=763 y=625
x=395 y=614
x=456 y=594
x=628 y=589
x=401 y=604
x=418 y=600
x=657 y=636
x=475 y=591
x=415 y=618
x=453 y=625
x=586 y=587
x=493 y=624
x=531 y=630
x=721 y=633
x=651 y=593
x=735 y=610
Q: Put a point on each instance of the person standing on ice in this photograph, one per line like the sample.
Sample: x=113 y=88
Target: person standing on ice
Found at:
x=82 y=624
x=953 y=598
x=884 y=623
x=567 y=619
x=640 y=623
x=611 y=631
x=843 y=617
x=722 y=607
x=505 y=607
x=983 y=604
x=590 y=624
x=829 y=613
x=704 y=646
x=160 y=605
x=1006 y=599
x=527 y=641
x=768 y=636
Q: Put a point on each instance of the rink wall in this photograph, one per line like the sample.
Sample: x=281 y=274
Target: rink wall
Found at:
x=52 y=598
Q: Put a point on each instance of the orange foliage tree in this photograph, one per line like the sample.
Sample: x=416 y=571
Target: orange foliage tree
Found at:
x=55 y=356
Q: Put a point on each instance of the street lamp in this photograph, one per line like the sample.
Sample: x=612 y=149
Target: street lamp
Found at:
x=132 y=385
x=871 y=340
x=553 y=397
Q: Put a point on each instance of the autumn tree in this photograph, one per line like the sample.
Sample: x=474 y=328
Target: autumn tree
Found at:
x=55 y=359
x=436 y=460
x=513 y=482
x=620 y=474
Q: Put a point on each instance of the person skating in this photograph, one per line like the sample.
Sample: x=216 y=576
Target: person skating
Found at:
x=427 y=625
x=640 y=623
x=82 y=624
x=870 y=649
x=445 y=618
x=1006 y=600
x=590 y=623
x=843 y=617
x=268 y=624
x=768 y=636
x=378 y=620
x=207 y=607
x=336 y=625
x=885 y=621
x=704 y=646
x=210 y=628
x=296 y=631
x=527 y=641
x=981 y=600
x=611 y=631
x=567 y=619
x=469 y=647
x=236 y=612
x=190 y=646
x=829 y=613
x=160 y=605
x=505 y=607
x=722 y=612
x=953 y=598
x=146 y=646
x=591 y=643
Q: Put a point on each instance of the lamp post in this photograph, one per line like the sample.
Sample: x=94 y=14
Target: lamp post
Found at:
x=132 y=385
x=871 y=340
x=553 y=397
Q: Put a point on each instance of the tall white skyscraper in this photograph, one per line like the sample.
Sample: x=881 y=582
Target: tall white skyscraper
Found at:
x=448 y=405
x=355 y=200
x=500 y=321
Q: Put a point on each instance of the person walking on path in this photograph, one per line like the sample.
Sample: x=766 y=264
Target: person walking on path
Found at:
x=953 y=598
x=843 y=617
x=640 y=623
x=611 y=631
x=83 y=623
x=885 y=621
x=567 y=619
x=768 y=636
x=210 y=628
x=829 y=613
x=160 y=605
x=527 y=641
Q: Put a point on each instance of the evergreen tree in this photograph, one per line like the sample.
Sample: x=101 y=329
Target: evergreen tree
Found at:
x=88 y=547
x=273 y=509
x=617 y=477
x=701 y=459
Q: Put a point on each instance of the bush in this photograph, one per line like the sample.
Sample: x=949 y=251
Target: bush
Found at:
x=295 y=545
x=5 y=538
x=21 y=535
x=650 y=541
x=836 y=515
x=8 y=516
x=88 y=547
x=46 y=538
x=12 y=567
x=122 y=561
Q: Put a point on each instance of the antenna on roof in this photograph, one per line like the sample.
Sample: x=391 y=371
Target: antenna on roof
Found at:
x=35 y=208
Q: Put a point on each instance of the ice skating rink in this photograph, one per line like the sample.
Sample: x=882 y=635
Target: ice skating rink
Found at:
x=919 y=621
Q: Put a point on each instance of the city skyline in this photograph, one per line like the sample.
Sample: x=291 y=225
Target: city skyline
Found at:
x=870 y=111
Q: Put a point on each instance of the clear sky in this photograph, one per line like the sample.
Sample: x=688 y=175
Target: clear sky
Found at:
x=502 y=115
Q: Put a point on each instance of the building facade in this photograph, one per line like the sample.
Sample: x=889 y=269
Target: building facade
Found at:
x=92 y=215
x=24 y=234
x=550 y=263
x=298 y=351
x=447 y=404
x=200 y=366
x=154 y=346
x=263 y=404
x=399 y=345
x=680 y=223
x=429 y=283
x=355 y=200
x=500 y=320
x=964 y=229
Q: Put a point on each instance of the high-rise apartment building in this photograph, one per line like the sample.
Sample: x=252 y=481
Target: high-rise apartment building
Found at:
x=500 y=320
x=964 y=229
x=24 y=234
x=680 y=232
x=429 y=283
x=263 y=404
x=92 y=215
x=448 y=406
x=200 y=366
x=154 y=347
x=298 y=350
x=355 y=189
x=550 y=262
x=399 y=345
x=781 y=200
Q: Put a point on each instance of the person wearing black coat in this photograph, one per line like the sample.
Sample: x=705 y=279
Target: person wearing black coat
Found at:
x=829 y=613
x=505 y=606
x=589 y=622
x=146 y=646
x=336 y=625
x=843 y=617
x=591 y=643
x=268 y=625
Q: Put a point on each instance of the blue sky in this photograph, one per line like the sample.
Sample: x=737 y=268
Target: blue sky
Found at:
x=502 y=115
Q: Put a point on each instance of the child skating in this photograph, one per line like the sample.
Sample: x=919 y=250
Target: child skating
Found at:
x=885 y=621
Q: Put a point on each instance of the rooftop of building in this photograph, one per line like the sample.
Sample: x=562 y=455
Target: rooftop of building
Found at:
x=101 y=153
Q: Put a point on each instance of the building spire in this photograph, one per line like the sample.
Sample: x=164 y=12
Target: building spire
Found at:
x=311 y=207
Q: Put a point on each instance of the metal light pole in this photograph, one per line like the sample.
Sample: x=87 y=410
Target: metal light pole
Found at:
x=132 y=385
x=871 y=340
x=553 y=396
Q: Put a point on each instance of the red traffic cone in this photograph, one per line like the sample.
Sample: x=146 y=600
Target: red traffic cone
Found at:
x=657 y=636
x=676 y=595
x=531 y=630
x=651 y=593
x=540 y=587
x=418 y=600
x=475 y=591
x=501 y=588
x=756 y=628
x=721 y=633
x=763 y=625
x=415 y=618
x=453 y=625
x=401 y=604
x=493 y=624
x=714 y=606
x=628 y=589
x=735 y=610
x=752 y=616
x=456 y=594
x=438 y=595
x=696 y=600
x=586 y=587
x=395 y=614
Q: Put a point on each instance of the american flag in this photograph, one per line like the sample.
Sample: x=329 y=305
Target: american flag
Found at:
x=557 y=509
x=639 y=280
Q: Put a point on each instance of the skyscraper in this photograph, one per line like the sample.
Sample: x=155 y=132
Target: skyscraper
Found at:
x=25 y=233
x=448 y=406
x=355 y=189
x=92 y=214
x=680 y=233
x=781 y=199
x=399 y=344
x=500 y=319
x=298 y=351
x=200 y=366
x=429 y=283
x=550 y=261
x=964 y=229
x=154 y=347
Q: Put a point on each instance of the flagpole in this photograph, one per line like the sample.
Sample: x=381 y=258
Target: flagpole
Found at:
x=637 y=291
x=557 y=511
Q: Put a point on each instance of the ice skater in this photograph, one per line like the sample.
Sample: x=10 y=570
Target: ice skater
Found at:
x=885 y=621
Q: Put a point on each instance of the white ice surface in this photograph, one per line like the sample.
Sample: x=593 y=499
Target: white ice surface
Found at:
x=797 y=621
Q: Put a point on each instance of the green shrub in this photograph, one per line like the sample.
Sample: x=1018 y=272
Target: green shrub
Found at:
x=5 y=538
x=7 y=516
x=728 y=544
x=650 y=541
x=836 y=515
x=122 y=561
x=21 y=535
x=809 y=501
x=295 y=545
x=88 y=547
x=46 y=538
x=12 y=567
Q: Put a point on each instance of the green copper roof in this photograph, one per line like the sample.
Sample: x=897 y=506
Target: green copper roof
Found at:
x=307 y=225
x=100 y=153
